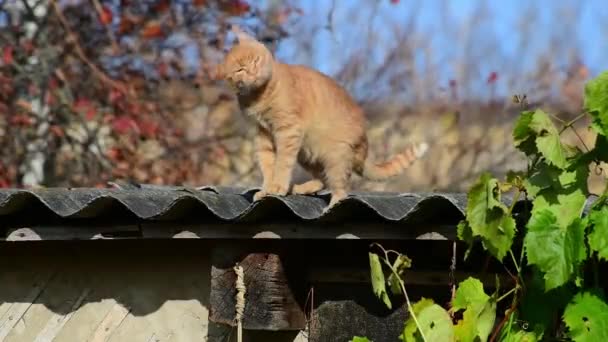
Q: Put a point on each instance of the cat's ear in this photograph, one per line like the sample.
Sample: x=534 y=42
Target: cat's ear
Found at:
x=241 y=35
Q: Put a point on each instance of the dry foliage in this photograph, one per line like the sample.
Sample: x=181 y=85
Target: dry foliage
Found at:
x=91 y=92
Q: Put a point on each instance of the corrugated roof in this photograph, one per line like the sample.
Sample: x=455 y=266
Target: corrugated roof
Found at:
x=147 y=203
x=227 y=204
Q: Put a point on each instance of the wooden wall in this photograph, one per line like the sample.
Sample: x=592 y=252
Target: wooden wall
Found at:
x=122 y=290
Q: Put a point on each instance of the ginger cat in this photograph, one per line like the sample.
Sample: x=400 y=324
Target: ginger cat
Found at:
x=303 y=115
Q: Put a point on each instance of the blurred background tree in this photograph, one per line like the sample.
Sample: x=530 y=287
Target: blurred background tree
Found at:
x=96 y=90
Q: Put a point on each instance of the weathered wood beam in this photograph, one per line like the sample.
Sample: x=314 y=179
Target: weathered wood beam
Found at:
x=270 y=302
x=175 y=230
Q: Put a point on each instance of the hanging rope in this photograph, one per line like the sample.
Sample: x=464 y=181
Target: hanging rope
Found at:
x=240 y=300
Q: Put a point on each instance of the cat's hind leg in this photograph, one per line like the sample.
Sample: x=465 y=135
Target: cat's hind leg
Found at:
x=338 y=169
x=306 y=188
x=315 y=184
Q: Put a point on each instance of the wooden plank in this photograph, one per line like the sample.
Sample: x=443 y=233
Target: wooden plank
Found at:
x=17 y=310
x=270 y=303
x=413 y=277
x=58 y=321
x=87 y=318
x=111 y=321
x=306 y=230
x=173 y=230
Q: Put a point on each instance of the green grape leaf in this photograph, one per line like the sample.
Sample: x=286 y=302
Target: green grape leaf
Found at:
x=360 y=339
x=596 y=102
x=562 y=192
x=377 y=277
x=556 y=250
x=598 y=238
x=539 y=308
x=464 y=233
x=479 y=311
x=535 y=133
x=519 y=335
x=540 y=179
x=488 y=217
x=548 y=140
x=587 y=318
x=435 y=322
x=400 y=265
x=523 y=136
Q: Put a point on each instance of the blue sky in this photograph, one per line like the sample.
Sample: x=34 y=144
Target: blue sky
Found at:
x=445 y=23
x=591 y=27
x=587 y=31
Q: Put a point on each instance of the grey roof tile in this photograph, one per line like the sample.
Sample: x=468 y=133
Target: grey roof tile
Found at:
x=147 y=202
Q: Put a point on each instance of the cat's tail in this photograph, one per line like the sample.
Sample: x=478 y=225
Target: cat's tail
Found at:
x=395 y=165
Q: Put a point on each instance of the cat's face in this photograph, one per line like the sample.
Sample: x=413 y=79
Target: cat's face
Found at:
x=247 y=67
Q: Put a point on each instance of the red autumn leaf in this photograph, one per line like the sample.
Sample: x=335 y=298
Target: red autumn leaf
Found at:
x=114 y=96
x=124 y=124
x=493 y=77
x=394 y=2
x=236 y=7
x=50 y=99
x=134 y=108
x=57 y=130
x=90 y=114
x=162 y=6
x=163 y=69
x=21 y=120
x=152 y=29
x=28 y=46
x=105 y=16
x=128 y=23
x=148 y=128
x=24 y=105
x=53 y=83
x=81 y=104
x=113 y=154
x=7 y=55
x=199 y=3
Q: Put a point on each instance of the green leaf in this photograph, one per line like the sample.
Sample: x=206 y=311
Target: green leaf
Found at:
x=541 y=309
x=464 y=232
x=596 y=102
x=548 y=140
x=556 y=250
x=519 y=335
x=513 y=329
x=523 y=136
x=562 y=192
x=598 y=238
x=488 y=217
x=435 y=322
x=377 y=277
x=360 y=339
x=535 y=133
x=587 y=318
x=400 y=265
x=480 y=311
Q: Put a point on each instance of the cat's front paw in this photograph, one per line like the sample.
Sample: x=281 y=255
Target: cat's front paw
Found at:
x=259 y=195
x=277 y=189
x=272 y=189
